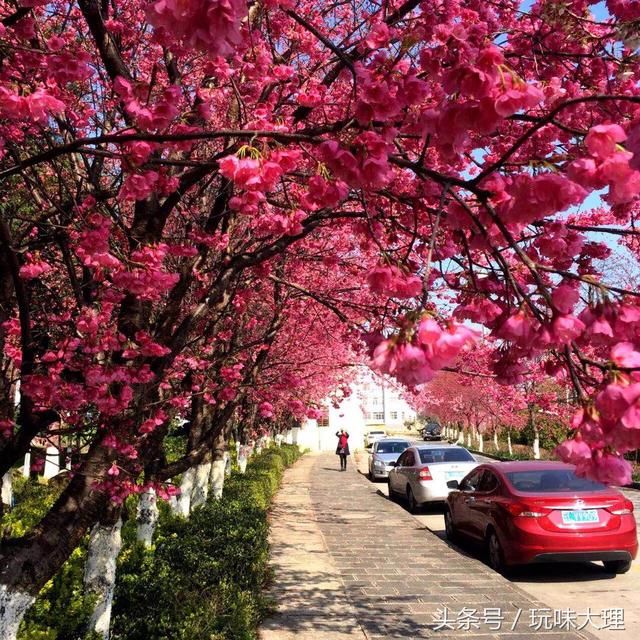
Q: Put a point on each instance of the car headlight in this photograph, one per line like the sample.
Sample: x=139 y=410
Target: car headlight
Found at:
x=379 y=463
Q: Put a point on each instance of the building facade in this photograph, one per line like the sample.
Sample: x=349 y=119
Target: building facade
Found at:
x=375 y=403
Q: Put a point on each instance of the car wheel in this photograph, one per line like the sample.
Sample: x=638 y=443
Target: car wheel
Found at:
x=413 y=506
x=617 y=566
x=392 y=493
x=496 y=554
x=450 y=530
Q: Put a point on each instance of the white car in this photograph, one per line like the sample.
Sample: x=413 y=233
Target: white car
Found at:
x=375 y=435
x=421 y=473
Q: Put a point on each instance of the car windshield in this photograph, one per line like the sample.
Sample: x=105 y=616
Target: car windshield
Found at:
x=391 y=447
x=445 y=455
x=551 y=480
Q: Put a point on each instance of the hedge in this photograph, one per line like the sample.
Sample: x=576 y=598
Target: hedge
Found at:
x=202 y=579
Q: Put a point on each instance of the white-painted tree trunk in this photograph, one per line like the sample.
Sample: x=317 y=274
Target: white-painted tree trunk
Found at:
x=100 y=573
x=186 y=486
x=469 y=439
x=26 y=468
x=242 y=463
x=509 y=447
x=480 y=442
x=460 y=438
x=7 y=488
x=13 y=606
x=495 y=441
x=200 y=489
x=147 y=516
x=536 y=444
x=216 y=478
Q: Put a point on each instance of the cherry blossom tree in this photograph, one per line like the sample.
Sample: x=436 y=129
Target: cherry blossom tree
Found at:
x=417 y=172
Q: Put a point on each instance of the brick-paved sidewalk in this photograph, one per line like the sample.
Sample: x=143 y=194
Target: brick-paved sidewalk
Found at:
x=351 y=564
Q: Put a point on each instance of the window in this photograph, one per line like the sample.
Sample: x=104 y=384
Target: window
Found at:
x=391 y=447
x=378 y=415
x=408 y=459
x=394 y=415
x=452 y=454
x=471 y=482
x=323 y=420
x=551 y=481
x=489 y=482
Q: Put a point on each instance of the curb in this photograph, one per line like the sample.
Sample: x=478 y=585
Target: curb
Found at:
x=634 y=485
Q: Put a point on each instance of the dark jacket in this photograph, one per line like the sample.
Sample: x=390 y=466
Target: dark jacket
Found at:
x=346 y=448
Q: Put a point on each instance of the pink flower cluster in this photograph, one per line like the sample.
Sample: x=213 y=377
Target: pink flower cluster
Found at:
x=149 y=280
x=265 y=410
x=488 y=92
x=34 y=267
x=37 y=106
x=149 y=116
x=139 y=186
x=431 y=348
x=367 y=168
x=609 y=165
x=208 y=25
x=390 y=280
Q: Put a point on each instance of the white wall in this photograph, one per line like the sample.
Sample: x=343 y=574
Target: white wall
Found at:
x=347 y=416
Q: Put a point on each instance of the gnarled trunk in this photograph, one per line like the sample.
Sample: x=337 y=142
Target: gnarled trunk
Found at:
x=105 y=543
x=147 y=516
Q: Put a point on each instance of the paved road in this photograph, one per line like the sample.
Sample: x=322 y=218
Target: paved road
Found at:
x=570 y=587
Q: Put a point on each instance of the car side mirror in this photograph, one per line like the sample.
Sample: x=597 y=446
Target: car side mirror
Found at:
x=453 y=484
x=392 y=464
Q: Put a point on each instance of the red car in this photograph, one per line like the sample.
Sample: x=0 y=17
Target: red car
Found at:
x=540 y=511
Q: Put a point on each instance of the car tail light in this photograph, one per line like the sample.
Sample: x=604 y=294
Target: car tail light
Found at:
x=621 y=508
x=425 y=474
x=524 y=510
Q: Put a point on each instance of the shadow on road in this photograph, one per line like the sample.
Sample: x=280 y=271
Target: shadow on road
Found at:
x=570 y=573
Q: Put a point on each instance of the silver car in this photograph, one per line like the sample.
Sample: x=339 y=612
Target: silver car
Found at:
x=383 y=453
x=421 y=473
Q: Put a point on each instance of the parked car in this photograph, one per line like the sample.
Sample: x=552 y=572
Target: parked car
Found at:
x=541 y=511
x=431 y=431
x=383 y=453
x=421 y=473
x=375 y=435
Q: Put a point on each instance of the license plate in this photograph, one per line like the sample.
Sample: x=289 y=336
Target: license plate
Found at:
x=577 y=517
x=453 y=475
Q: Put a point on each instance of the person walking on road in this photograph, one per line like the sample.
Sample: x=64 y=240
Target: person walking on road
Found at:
x=343 y=448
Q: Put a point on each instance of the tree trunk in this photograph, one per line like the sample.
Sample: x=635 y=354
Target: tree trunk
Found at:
x=536 y=444
x=469 y=438
x=7 y=489
x=186 y=486
x=200 y=489
x=26 y=467
x=509 y=447
x=218 y=465
x=480 y=442
x=13 y=605
x=27 y=563
x=460 y=437
x=105 y=543
x=495 y=440
x=147 y=516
